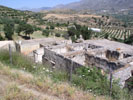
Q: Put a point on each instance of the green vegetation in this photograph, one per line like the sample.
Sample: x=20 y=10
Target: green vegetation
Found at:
x=22 y=62
x=9 y=30
x=88 y=79
x=46 y=32
x=26 y=28
x=75 y=31
x=129 y=40
x=12 y=21
x=120 y=35
x=91 y=79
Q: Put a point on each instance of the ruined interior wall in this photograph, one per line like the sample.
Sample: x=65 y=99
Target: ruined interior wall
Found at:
x=99 y=52
x=28 y=48
x=123 y=74
x=60 y=50
x=92 y=60
x=79 y=58
x=38 y=55
x=59 y=61
x=113 y=55
x=126 y=60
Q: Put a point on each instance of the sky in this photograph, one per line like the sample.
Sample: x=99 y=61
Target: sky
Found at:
x=33 y=3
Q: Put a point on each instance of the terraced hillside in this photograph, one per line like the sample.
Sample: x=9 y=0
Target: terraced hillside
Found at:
x=111 y=33
x=10 y=13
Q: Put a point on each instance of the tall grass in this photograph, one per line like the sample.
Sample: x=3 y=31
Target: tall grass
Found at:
x=23 y=62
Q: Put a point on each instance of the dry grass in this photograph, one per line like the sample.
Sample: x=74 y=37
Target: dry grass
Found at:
x=36 y=85
x=12 y=92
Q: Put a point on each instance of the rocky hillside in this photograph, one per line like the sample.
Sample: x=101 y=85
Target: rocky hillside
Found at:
x=99 y=4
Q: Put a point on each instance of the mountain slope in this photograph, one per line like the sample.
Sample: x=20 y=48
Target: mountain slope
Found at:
x=36 y=9
x=99 y=4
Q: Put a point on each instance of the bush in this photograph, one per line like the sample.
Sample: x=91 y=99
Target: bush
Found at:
x=52 y=27
x=73 y=38
x=57 y=35
x=91 y=79
x=46 y=33
x=1 y=38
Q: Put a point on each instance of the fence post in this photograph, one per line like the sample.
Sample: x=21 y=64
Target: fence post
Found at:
x=10 y=53
x=110 y=72
x=70 y=71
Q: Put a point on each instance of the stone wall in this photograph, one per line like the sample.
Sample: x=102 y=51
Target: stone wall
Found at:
x=38 y=55
x=123 y=74
x=5 y=45
x=102 y=63
x=27 y=48
x=59 y=61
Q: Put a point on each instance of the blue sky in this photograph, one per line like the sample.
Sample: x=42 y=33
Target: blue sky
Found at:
x=33 y=3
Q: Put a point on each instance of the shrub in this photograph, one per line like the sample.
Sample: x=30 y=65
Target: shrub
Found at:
x=1 y=38
x=46 y=33
x=91 y=79
x=57 y=35
x=52 y=27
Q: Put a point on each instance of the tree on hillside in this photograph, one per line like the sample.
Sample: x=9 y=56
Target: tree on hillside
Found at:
x=52 y=27
x=21 y=27
x=72 y=31
x=46 y=32
x=80 y=30
x=26 y=28
x=9 y=30
x=129 y=40
x=86 y=33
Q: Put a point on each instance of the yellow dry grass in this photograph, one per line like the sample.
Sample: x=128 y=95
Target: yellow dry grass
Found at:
x=34 y=86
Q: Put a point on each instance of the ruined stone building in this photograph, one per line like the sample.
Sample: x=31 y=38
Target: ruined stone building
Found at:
x=65 y=55
x=104 y=54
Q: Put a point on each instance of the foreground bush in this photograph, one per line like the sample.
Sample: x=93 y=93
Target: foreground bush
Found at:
x=91 y=79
